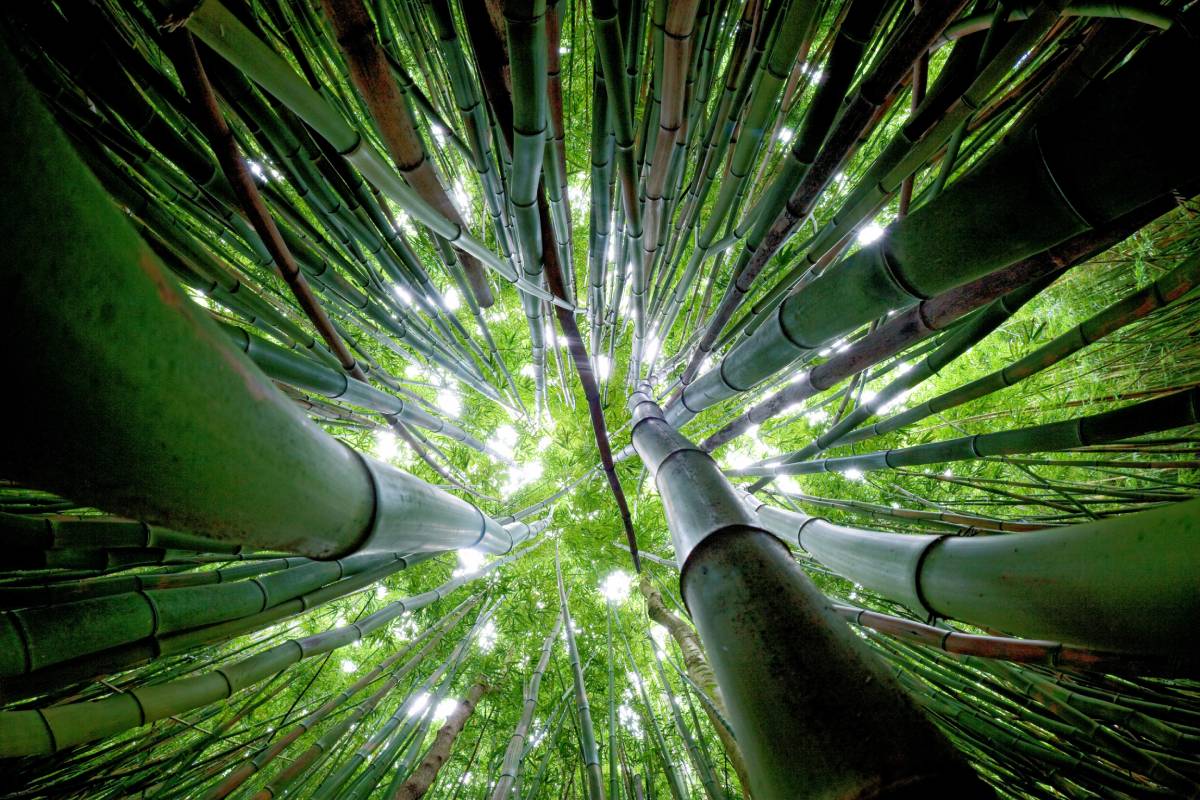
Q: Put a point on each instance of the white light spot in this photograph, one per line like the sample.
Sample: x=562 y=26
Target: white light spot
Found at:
x=659 y=634
x=603 y=366
x=452 y=299
x=615 y=586
x=853 y=474
x=349 y=666
x=487 y=636
x=652 y=345
x=444 y=710
x=419 y=704
x=385 y=445
x=257 y=169
x=449 y=402
x=869 y=233
x=469 y=561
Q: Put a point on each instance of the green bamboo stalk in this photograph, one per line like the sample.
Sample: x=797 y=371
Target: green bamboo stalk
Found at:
x=433 y=633
x=674 y=781
x=1152 y=416
x=50 y=729
x=48 y=636
x=1057 y=164
x=587 y=736
x=516 y=744
x=699 y=760
x=742 y=589
x=247 y=434
x=282 y=365
x=795 y=190
x=1040 y=585
x=699 y=672
x=400 y=725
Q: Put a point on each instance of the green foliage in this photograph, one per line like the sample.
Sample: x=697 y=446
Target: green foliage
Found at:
x=153 y=175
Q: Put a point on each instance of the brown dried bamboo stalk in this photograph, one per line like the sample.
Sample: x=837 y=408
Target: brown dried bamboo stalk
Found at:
x=220 y=138
x=372 y=76
x=1007 y=648
x=426 y=773
x=587 y=378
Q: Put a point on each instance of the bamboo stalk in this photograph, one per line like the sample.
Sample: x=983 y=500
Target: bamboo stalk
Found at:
x=1040 y=585
x=741 y=587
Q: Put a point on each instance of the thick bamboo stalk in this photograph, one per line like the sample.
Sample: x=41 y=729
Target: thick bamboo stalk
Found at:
x=1126 y=584
x=1054 y=180
x=742 y=589
x=206 y=445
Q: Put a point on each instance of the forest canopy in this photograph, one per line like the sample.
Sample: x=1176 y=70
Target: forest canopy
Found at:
x=541 y=398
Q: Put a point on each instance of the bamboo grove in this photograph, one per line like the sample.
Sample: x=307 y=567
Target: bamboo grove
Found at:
x=620 y=400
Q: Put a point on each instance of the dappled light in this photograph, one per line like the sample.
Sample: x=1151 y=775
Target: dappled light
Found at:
x=595 y=400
